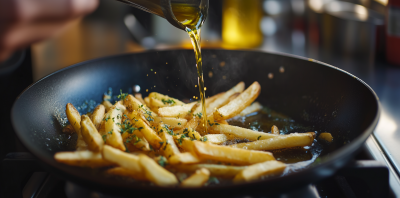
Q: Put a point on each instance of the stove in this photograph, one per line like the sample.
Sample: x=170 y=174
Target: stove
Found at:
x=369 y=174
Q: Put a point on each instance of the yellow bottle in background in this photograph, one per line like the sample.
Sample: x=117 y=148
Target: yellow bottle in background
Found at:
x=241 y=23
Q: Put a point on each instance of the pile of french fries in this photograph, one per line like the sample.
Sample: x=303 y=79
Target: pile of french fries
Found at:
x=154 y=138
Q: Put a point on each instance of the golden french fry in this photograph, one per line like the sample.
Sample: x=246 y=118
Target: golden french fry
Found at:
x=230 y=155
x=132 y=104
x=90 y=134
x=185 y=143
x=280 y=142
x=82 y=158
x=237 y=105
x=215 y=138
x=135 y=138
x=209 y=100
x=155 y=173
x=216 y=170
x=149 y=134
x=168 y=147
x=326 y=136
x=126 y=173
x=164 y=100
x=255 y=171
x=221 y=100
x=233 y=96
x=239 y=132
x=107 y=105
x=177 y=110
x=198 y=179
x=176 y=123
x=125 y=160
x=183 y=158
x=112 y=135
x=98 y=115
x=256 y=106
x=147 y=101
x=139 y=97
x=275 y=130
x=74 y=119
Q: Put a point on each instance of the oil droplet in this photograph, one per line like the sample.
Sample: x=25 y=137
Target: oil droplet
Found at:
x=194 y=96
x=147 y=74
x=166 y=63
x=224 y=77
x=221 y=64
x=281 y=69
x=155 y=72
x=147 y=90
x=154 y=86
x=270 y=75
x=205 y=88
x=210 y=74
x=195 y=85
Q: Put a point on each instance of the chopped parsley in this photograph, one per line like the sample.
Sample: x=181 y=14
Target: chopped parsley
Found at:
x=204 y=139
x=110 y=132
x=161 y=143
x=179 y=123
x=137 y=139
x=107 y=118
x=104 y=138
x=181 y=139
x=162 y=161
x=122 y=96
x=168 y=101
x=198 y=114
x=259 y=137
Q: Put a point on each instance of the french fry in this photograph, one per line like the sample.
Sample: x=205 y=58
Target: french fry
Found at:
x=155 y=173
x=82 y=158
x=126 y=173
x=216 y=170
x=221 y=100
x=185 y=143
x=148 y=133
x=237 y=105
x=256 y=106
x=176 y=123
x=198 y=179
x=168 y=147
x=180 y=111
x=138 y=96
x=90 y=134
x=74 y=119
x=230 y=155
x=280 y=142
x=255 y=171
x=137 y=139
x=239 y=132
x=132 y=104
x=183 y=158
x=147 y=101
x=209 y=100
x=112 y=135
x=215 y=138
x=125 y=160
x=164 y=100
x=98 y=115
x=326 y=136
x=275 y=130
x=107 y=105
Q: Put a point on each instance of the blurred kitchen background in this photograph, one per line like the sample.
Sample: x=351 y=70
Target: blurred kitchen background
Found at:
x=335 y=32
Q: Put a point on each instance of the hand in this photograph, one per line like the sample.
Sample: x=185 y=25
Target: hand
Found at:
x=23 y=22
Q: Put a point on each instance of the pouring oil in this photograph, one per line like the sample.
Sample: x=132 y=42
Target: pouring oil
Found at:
x=192 y=19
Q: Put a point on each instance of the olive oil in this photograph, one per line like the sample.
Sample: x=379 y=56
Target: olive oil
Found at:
x=192 y=19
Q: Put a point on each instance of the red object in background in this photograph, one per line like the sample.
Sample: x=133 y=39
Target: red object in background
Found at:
x=393 y=32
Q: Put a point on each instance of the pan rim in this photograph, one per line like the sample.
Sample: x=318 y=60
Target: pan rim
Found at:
x=339 y=153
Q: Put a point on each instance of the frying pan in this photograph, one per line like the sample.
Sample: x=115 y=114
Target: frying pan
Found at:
x=319 y=95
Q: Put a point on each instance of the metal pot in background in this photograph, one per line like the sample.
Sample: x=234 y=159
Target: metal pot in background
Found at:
x=350 y=30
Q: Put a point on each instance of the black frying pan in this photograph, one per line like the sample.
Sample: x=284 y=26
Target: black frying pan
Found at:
x=324 y=97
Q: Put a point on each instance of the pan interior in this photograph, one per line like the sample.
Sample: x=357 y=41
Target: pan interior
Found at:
x=316 y=95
